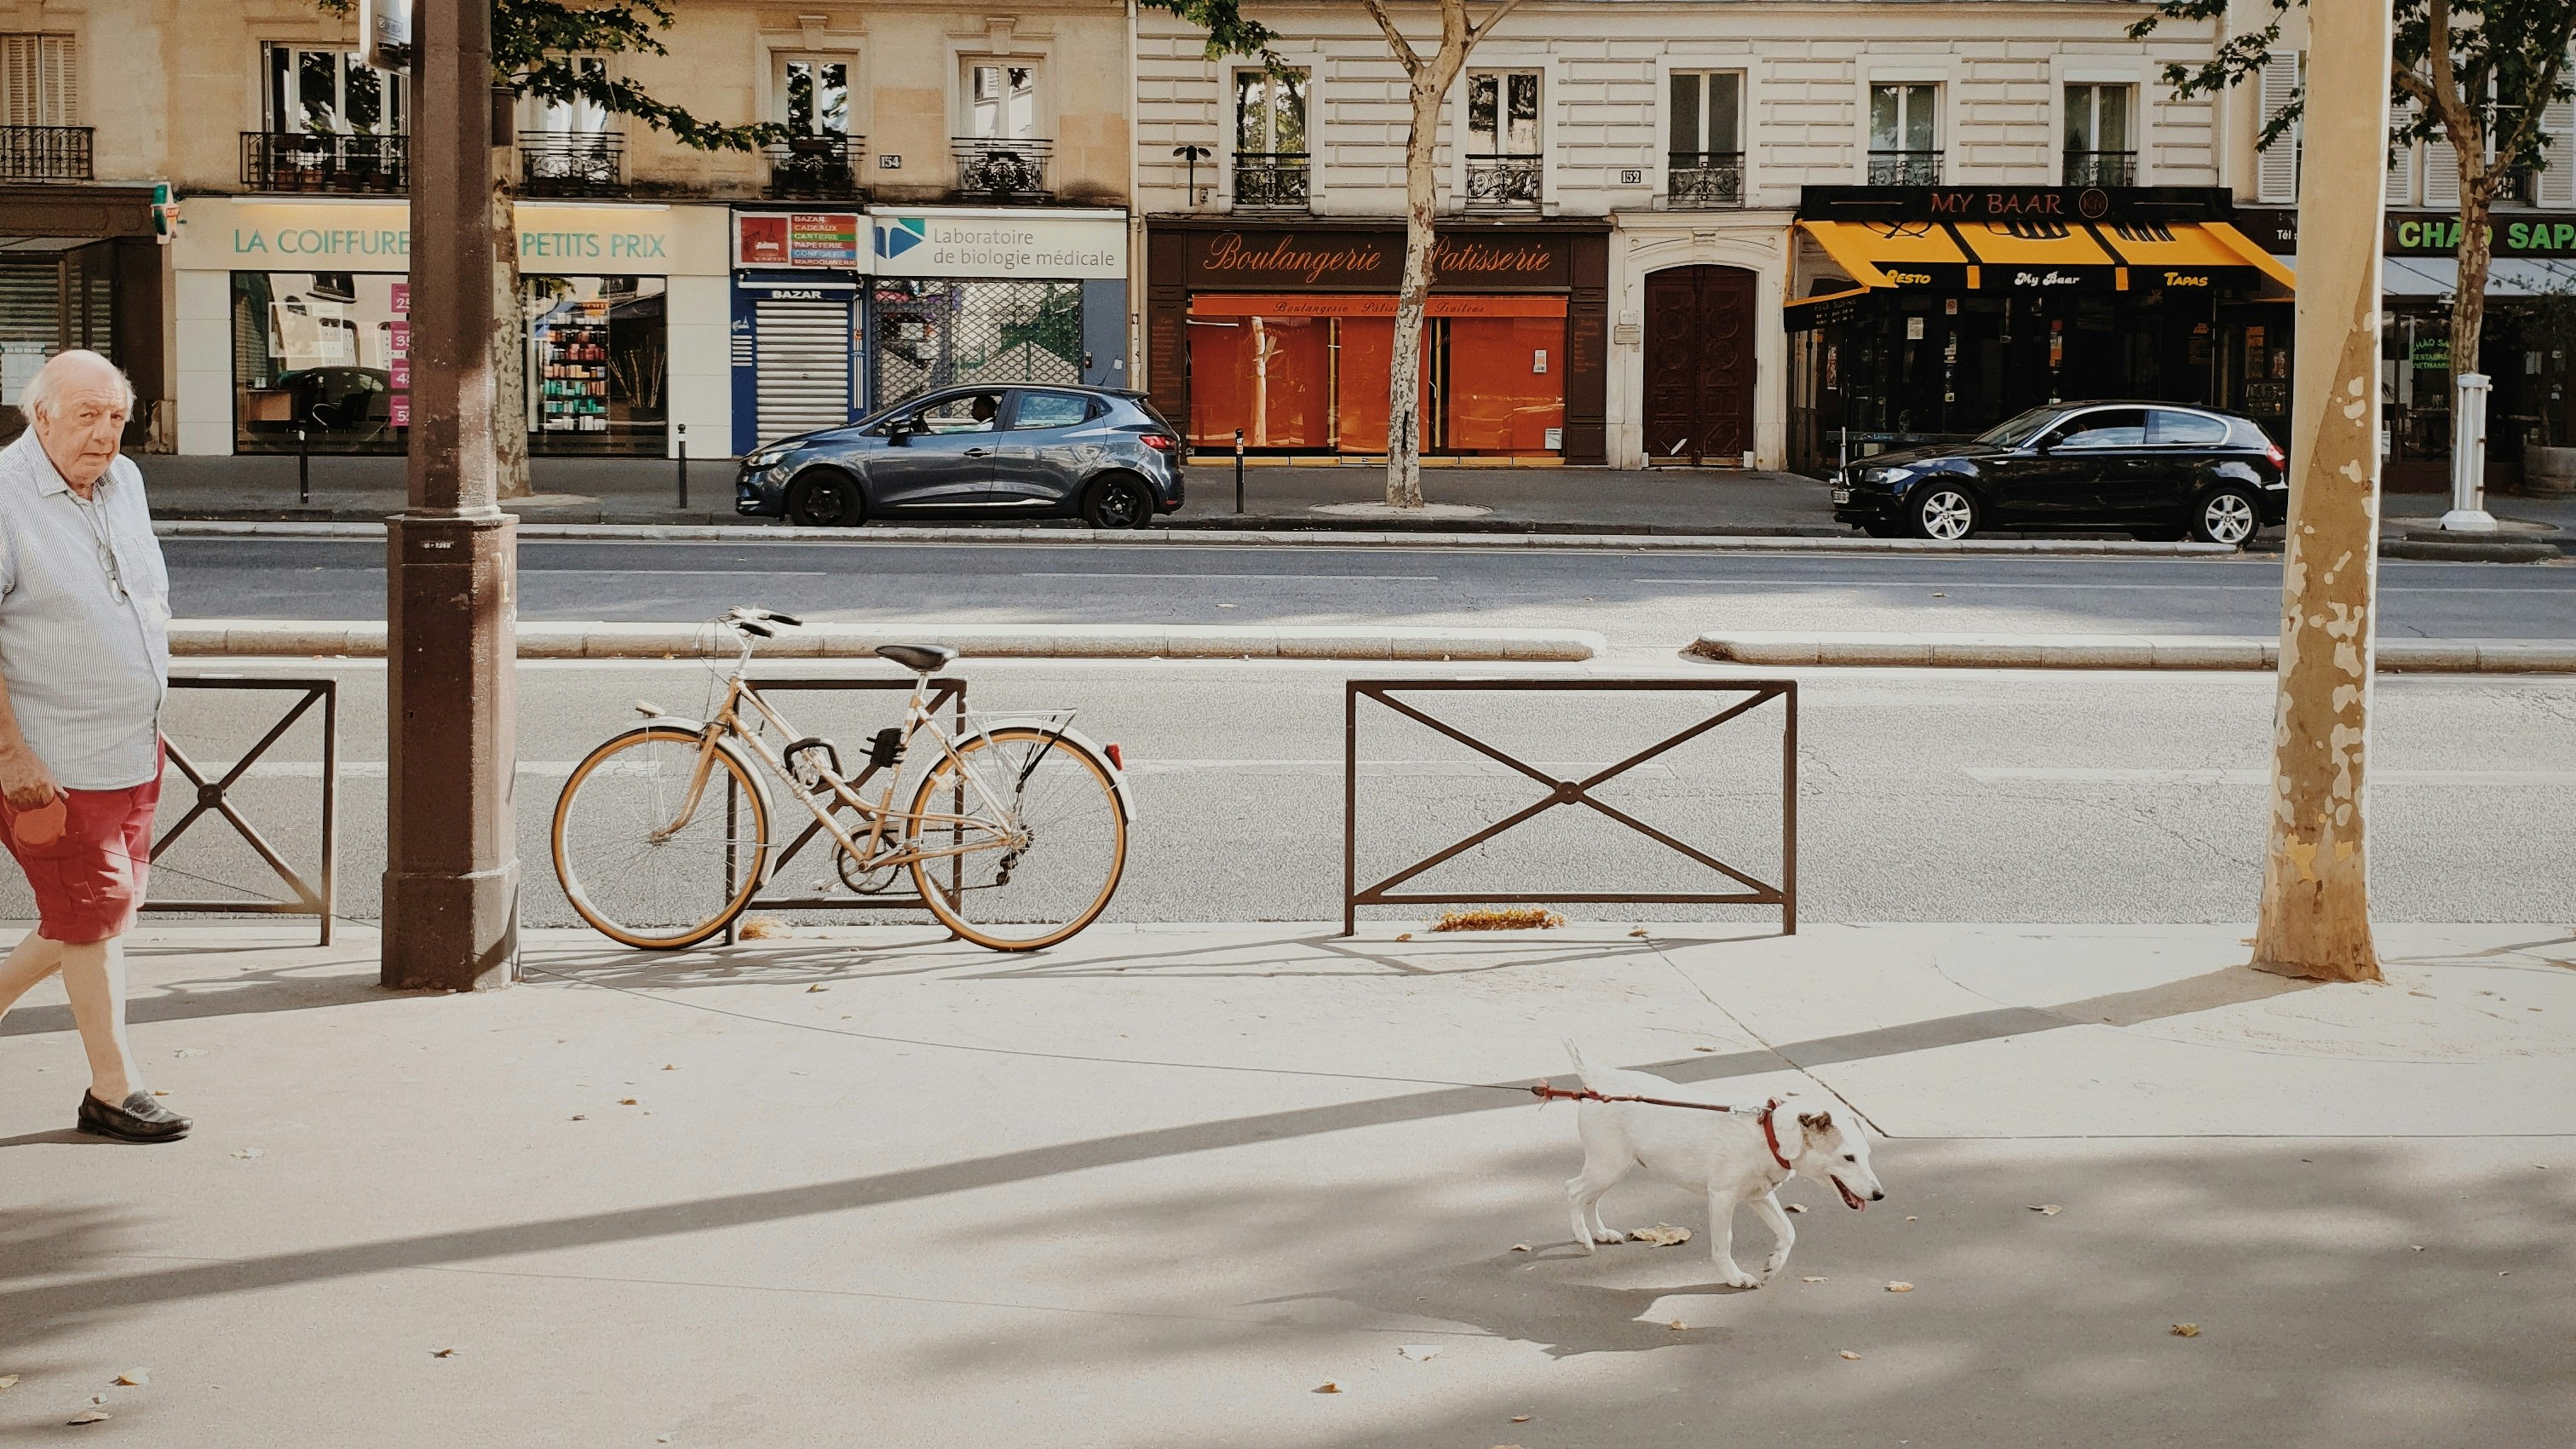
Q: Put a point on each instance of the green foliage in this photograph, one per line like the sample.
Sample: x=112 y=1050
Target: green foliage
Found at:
x=534 y=42
x=1229 y=31
x=2506 y=62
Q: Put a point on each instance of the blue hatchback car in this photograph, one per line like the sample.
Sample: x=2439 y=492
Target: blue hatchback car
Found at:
x=981 y=451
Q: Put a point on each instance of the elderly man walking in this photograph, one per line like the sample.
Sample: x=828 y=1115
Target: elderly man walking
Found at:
x=84 y=664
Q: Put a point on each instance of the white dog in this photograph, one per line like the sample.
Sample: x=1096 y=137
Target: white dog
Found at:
x=1727 y=1157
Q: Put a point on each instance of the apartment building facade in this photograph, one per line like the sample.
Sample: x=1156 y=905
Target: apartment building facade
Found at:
x=949 y=202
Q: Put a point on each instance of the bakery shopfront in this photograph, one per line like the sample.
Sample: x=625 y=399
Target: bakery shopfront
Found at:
x=1925 y=313
x=1287 y=333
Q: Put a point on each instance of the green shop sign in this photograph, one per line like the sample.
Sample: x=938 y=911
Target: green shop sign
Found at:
x=2433 y=235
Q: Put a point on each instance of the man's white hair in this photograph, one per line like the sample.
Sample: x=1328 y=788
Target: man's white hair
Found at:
x=59 y=371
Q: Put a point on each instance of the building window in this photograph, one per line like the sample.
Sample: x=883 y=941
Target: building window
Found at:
x=332 y=92
x=320 y=353
x=1503 y=160
x=2100 y=148
x=820 y=157
x=1001 y=101
x=1271 y=163
x=571 y=146
x=1905 y=134
x=39 y=106
x=1705 y=157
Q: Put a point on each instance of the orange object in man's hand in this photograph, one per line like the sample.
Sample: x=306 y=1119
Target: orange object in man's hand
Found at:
x=40 y=826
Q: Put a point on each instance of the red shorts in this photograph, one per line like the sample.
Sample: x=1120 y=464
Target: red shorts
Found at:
x=88 y=879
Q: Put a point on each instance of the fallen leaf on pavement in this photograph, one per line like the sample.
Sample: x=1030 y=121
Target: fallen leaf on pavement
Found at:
x=8 y=1381
x=132 y=1379
x=2186 y=1330
x=670 y=1067
x=90 y=1416
x=1507 y=918
x=1418 y=1351
x=1520 y=1418
x=762 y=928
x=1520 y=1247
x=1662 y=1235
x=1404 y=935
x=1638 y=932
x=2046 y=1209
x=1328 y=1387
x=160 y=1092
x=1703 y=1049
x=1813 y=1278
x=581 y=1116
x=442 y=1353
x=1678 y=1326
x=1847 y=1353
x=626 y=1101
x=817 y=986
x=1796 y=1207
x=1912 y=1219
x=2418 y=1247
x=1900 y=1287
x=247 y=1153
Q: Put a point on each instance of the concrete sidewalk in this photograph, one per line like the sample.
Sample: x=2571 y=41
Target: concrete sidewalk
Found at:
x=1163 y=1185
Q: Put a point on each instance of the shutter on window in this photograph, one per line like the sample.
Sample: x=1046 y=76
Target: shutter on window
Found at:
x=2441 y=172
x=58 y=59
x=802 y=366
x=2276 y=170
x=18 y=92
x=2401 y=157
x=2558 y=183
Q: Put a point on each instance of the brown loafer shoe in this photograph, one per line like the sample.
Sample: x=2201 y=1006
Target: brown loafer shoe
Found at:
x=141 y=1119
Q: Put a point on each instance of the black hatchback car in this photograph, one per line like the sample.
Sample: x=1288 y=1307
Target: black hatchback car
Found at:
x=985 y=451
x=2157 y=470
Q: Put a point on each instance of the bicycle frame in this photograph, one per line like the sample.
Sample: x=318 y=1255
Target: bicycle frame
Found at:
x=999 y=830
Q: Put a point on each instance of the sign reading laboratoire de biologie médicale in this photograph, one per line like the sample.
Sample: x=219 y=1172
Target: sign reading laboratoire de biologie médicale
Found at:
x=904 y=243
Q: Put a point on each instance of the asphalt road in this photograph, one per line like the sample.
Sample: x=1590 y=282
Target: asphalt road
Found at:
x=1652 y=602
x=1924 y=795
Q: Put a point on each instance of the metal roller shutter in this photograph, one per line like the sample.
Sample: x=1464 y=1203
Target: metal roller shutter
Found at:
x=802 y=365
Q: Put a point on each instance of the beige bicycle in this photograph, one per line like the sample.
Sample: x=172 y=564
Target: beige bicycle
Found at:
x=1016 y=834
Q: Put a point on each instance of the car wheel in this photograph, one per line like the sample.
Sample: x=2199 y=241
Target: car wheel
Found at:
x=2229 y=515
x=1118 y=501
x=1943 y=513
x=826 y=498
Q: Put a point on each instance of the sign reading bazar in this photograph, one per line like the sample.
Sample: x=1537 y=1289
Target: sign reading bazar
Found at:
x=1338 y=260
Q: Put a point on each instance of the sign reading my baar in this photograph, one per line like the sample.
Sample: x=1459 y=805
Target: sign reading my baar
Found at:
x=1371 y=261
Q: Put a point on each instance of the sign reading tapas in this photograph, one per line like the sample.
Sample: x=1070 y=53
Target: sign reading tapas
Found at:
x=796 y=240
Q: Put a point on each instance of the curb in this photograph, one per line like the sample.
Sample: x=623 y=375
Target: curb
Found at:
x=2119 y=651
x=1231 y=538
x=361 y=639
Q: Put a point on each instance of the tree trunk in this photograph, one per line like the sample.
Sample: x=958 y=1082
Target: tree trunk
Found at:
x=509 y=344
x=1404 y=364
x=2316 y=879
x=2476 y=256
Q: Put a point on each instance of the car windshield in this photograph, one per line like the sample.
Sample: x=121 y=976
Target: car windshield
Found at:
x=2013 y=432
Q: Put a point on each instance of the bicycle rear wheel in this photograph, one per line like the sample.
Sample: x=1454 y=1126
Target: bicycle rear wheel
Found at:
x=1042 y=870
x=660 y=894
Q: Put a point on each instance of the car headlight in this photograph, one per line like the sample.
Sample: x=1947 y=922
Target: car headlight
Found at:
x=1885 y=475
x=767 y=458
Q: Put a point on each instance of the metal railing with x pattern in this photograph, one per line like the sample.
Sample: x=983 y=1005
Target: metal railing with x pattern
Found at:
x=312 y=896
x=1560 y=791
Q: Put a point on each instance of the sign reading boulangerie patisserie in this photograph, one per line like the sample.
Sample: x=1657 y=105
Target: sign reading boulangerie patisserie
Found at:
x=1290 y=258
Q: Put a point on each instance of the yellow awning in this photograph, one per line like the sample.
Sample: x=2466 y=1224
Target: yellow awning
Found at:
x=2190 y=246
x=2033 y=244
x=1866 y=248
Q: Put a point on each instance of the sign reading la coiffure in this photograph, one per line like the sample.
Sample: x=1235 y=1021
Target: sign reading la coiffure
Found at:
x=1287 y=259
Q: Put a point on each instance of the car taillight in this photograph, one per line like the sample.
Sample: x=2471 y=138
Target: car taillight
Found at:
x=1160 y=442
x=2272 y=450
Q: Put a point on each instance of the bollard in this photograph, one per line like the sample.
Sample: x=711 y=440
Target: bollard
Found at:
x=303 y=467
x=684 y=467
x=2469 y=458
x=1238 y=470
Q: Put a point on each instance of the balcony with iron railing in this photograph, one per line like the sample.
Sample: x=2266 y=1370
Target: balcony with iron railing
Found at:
x=326 y=161
x=44 y=153
x=822 y=167
x=1273 y=180
x=1904 y=168
x=1505 y=181
x=572 y=163
x=1010 y=170
x=1703 y=180
x=2101 y=168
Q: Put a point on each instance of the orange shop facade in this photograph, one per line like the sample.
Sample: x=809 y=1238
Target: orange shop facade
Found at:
x=1287 y=333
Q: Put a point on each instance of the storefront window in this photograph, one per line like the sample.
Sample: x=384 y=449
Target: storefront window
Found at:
x=317 y=351
x=1298 y=382
x=932 y=333
x=599 y=364
x=53 y=295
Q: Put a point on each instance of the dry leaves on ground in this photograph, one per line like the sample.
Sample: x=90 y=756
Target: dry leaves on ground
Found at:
x=817 y=986
x=1813 y=1278
x=1418 y=1351
x=762 y=928
x=1404 y=935
x=1678 y=1326
x=1640 y=931
x=1847 y=1353
x=2046 y=1209
x=626 y=1102
x=1520 y=1418
x=1795 y=1207
x=90 y=1416
x=1900 y=1287
x=1512 y=918
x=132 y=1379
x=1328 y=1387
x=442 y=1353
x=1662 y=1235
x=1520 y=1247
x=2186 y=1330
x=247 y=1153
x=8 y=1381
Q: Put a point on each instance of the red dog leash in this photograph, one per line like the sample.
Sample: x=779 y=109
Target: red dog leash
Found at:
x=1770 y=1133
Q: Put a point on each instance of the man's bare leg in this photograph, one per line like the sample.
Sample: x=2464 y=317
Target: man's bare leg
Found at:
x=94 y=976
x=33 y=959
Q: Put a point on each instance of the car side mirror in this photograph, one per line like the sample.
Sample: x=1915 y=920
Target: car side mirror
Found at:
x=2041 y=445
x=899 y=434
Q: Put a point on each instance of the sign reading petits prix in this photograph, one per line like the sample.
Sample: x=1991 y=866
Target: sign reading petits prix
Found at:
x=1287 y=260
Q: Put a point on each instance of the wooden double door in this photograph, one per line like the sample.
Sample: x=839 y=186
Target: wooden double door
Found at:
x=1699 y=365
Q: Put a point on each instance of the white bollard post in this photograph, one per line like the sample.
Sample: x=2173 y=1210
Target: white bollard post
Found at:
x=2469 y=458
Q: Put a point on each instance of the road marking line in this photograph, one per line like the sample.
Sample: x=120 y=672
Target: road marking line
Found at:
x=1236 y=578
x=2080 y=775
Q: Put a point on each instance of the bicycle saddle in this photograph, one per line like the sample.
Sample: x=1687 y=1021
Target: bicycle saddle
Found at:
x=919 y=658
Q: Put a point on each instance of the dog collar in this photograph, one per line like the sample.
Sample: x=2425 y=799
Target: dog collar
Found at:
x=1771 y=1135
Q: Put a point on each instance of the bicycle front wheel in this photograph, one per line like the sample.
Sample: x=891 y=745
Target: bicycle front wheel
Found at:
x=1038 y=868
x=637 y=871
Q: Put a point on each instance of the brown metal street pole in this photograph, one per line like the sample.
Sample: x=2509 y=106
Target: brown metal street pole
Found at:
x=451 y=895
x=2316 y=874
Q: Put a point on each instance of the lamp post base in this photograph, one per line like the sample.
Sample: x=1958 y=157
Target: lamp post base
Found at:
x=2468 y=520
